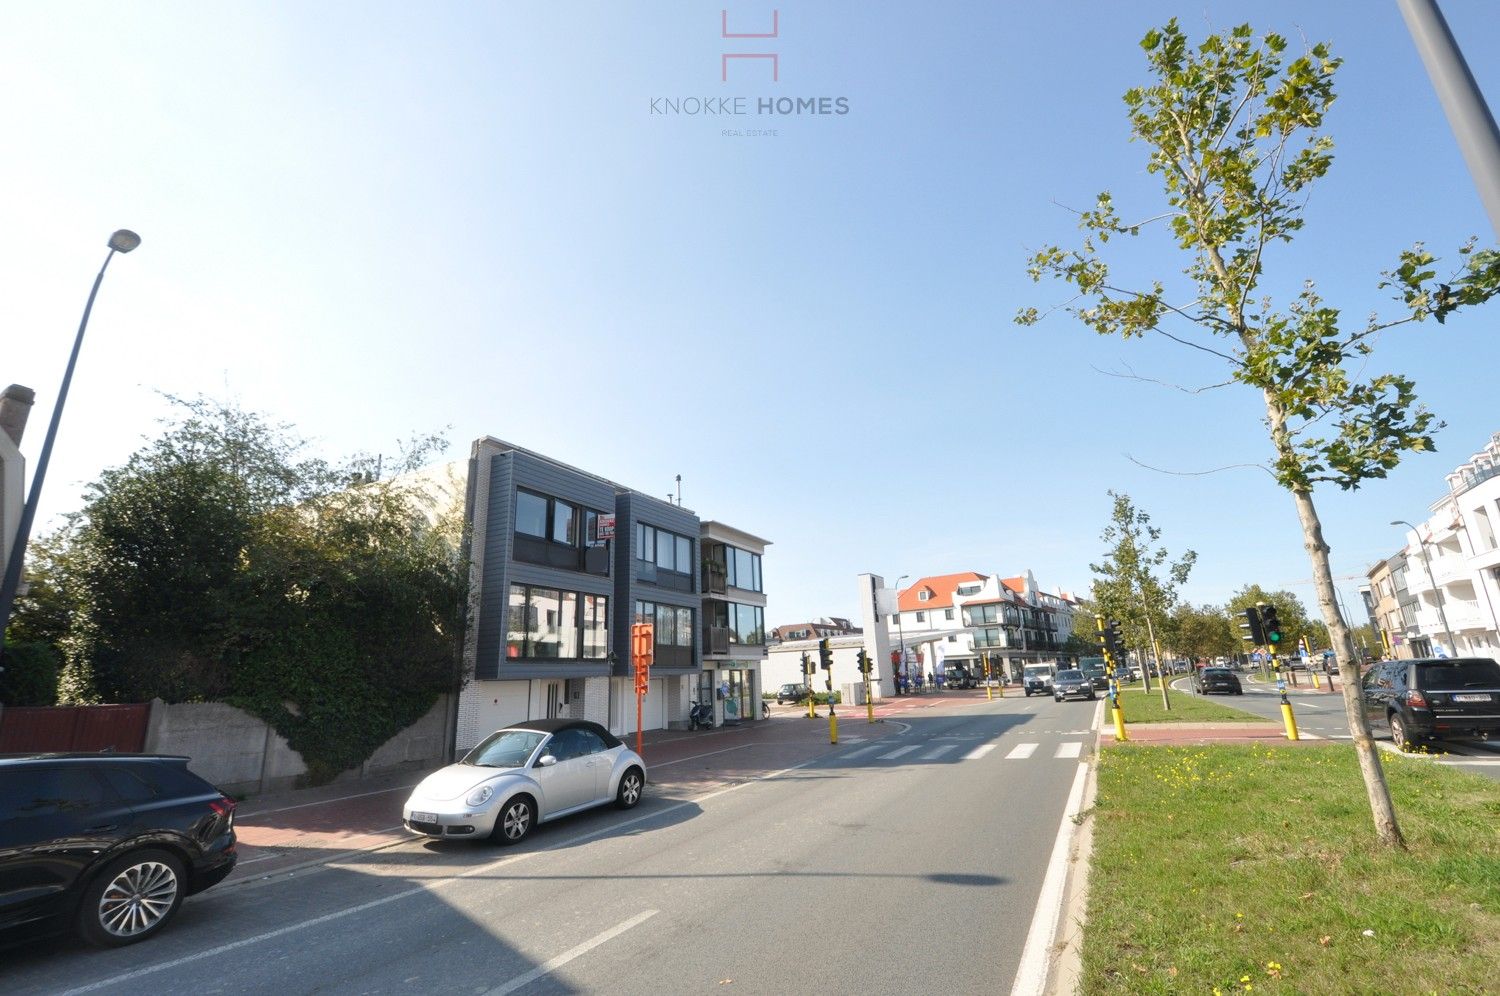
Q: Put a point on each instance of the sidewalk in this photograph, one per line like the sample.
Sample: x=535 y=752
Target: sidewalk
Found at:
x=286 y=831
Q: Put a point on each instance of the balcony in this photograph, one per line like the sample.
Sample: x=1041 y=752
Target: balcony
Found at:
x=715 y=578
x=716 y=640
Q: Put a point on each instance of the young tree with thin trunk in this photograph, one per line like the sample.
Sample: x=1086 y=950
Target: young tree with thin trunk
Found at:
x=1136 y=584
x=1233 y=130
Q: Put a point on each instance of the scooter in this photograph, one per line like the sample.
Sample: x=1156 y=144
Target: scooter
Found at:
x=701 y=715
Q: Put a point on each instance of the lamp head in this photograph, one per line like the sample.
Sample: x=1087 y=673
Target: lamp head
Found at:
x=124 y=240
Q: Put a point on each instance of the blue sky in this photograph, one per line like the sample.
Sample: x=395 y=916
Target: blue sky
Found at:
x=373 y=220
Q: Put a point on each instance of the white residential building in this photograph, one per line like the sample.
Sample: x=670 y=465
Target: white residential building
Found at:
x=1456 y=603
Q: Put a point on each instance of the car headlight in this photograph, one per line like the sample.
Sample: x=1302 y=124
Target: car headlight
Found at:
x=480 y=796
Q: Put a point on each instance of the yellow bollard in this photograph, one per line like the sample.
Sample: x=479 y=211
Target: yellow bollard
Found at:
x=1290 y=721
x=1120 y=725
x=833 y=727
x=1317 y=685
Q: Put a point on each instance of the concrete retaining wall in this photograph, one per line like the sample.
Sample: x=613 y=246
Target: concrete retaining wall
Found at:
x=240 y=753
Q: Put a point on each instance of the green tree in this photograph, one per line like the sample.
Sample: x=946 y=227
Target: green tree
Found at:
x=1202 y=631
x=1233 y=131
x=1289 y=609
x=220 y=564
x=1136 y=582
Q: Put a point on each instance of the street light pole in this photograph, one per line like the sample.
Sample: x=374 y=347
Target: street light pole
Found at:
x=121 y=241
x=1468 y=115
x=900 y=633
x=1442 y=615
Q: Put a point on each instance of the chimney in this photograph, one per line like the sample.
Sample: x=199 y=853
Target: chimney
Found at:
x=15 y=405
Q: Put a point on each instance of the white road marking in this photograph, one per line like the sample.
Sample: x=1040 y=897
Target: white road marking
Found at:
x=252 y=815
x=897 y=753
x=1098 y=714
x=979 y=752
x=938 y=752
x=548 y=967
x=1031 y=974
x=1021 y=752
x=854 y=740
x=864 y=750
x=726 y=750
x=432 y=884
x=1070 y=749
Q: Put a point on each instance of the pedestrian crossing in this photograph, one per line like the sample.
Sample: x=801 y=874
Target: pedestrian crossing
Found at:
x=932 y=751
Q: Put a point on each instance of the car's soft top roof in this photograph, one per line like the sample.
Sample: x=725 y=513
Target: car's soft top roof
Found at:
x=556 y=725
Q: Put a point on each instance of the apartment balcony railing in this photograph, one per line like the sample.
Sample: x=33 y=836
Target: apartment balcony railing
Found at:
x=716 y=640
x=715 y=578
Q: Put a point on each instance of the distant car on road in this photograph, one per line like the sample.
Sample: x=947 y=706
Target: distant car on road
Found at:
x=1433 y=699
x=526 y=774
x=1072 y=685
x=958 y=676
x=791 y=693
x=110 y=843
x=1217 y=679
x=1036 y=679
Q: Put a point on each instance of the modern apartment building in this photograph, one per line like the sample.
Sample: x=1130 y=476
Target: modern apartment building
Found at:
x=562 y=562
x=734 y=622
x=1452 y=563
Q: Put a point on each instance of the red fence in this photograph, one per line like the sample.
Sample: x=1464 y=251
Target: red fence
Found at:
x=62 y=728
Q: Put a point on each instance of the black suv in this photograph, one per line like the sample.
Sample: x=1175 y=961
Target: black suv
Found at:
x=1208 y=680
x=1433 y=698
x=109 y=842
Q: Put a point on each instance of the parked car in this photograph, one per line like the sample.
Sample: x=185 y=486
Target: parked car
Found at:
x=791 y=693
x=525 y=774
x=1036 y=679
x=1072 y=684
x=1208 y=680
x=1433 y=699
x=107 y=843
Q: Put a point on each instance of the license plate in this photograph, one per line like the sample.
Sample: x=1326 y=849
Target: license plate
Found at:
x=417 y=817
x=1471 y=698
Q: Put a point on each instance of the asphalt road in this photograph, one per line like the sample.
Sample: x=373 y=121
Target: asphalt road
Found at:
x=1323 y=716
x=907 y=864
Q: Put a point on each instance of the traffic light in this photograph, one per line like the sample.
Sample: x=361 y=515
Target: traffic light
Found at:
x=1114 y=640
x=1270 y=625
x=1251 y=627
x=807 y=667
x=864 y=662
x=825 y=655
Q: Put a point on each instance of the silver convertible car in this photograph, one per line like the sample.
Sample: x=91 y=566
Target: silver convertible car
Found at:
x=525 y=774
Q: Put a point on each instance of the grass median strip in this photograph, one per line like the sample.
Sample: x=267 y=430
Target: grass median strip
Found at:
x=1247 y=868
x=1145 y=707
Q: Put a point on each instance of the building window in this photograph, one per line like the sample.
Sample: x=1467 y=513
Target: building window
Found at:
x=657 y=550
x=531 y=514
x=672 y=632
x=923 y=595
x=968 y=589
x=557 y=533
x=921 y=617
x=743 y=568
x=948 y=614
x=547 y=624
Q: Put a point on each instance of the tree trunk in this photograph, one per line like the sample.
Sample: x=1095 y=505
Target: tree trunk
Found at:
x=1382 y=810
x=1166 y=703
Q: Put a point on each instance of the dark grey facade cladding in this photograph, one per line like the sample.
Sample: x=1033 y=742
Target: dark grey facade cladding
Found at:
x=632 y=507
x=509 y=469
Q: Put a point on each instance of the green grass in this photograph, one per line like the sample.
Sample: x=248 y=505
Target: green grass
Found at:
x=1145 y=707
x=1219 y=869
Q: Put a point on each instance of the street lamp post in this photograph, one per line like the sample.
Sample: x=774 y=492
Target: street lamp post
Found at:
x=900 y=633
x=1442 y=615
x=121 y=241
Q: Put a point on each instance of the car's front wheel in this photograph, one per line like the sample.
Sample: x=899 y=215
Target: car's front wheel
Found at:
x=632 y=783
x=515 y=821
x=131 y=899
